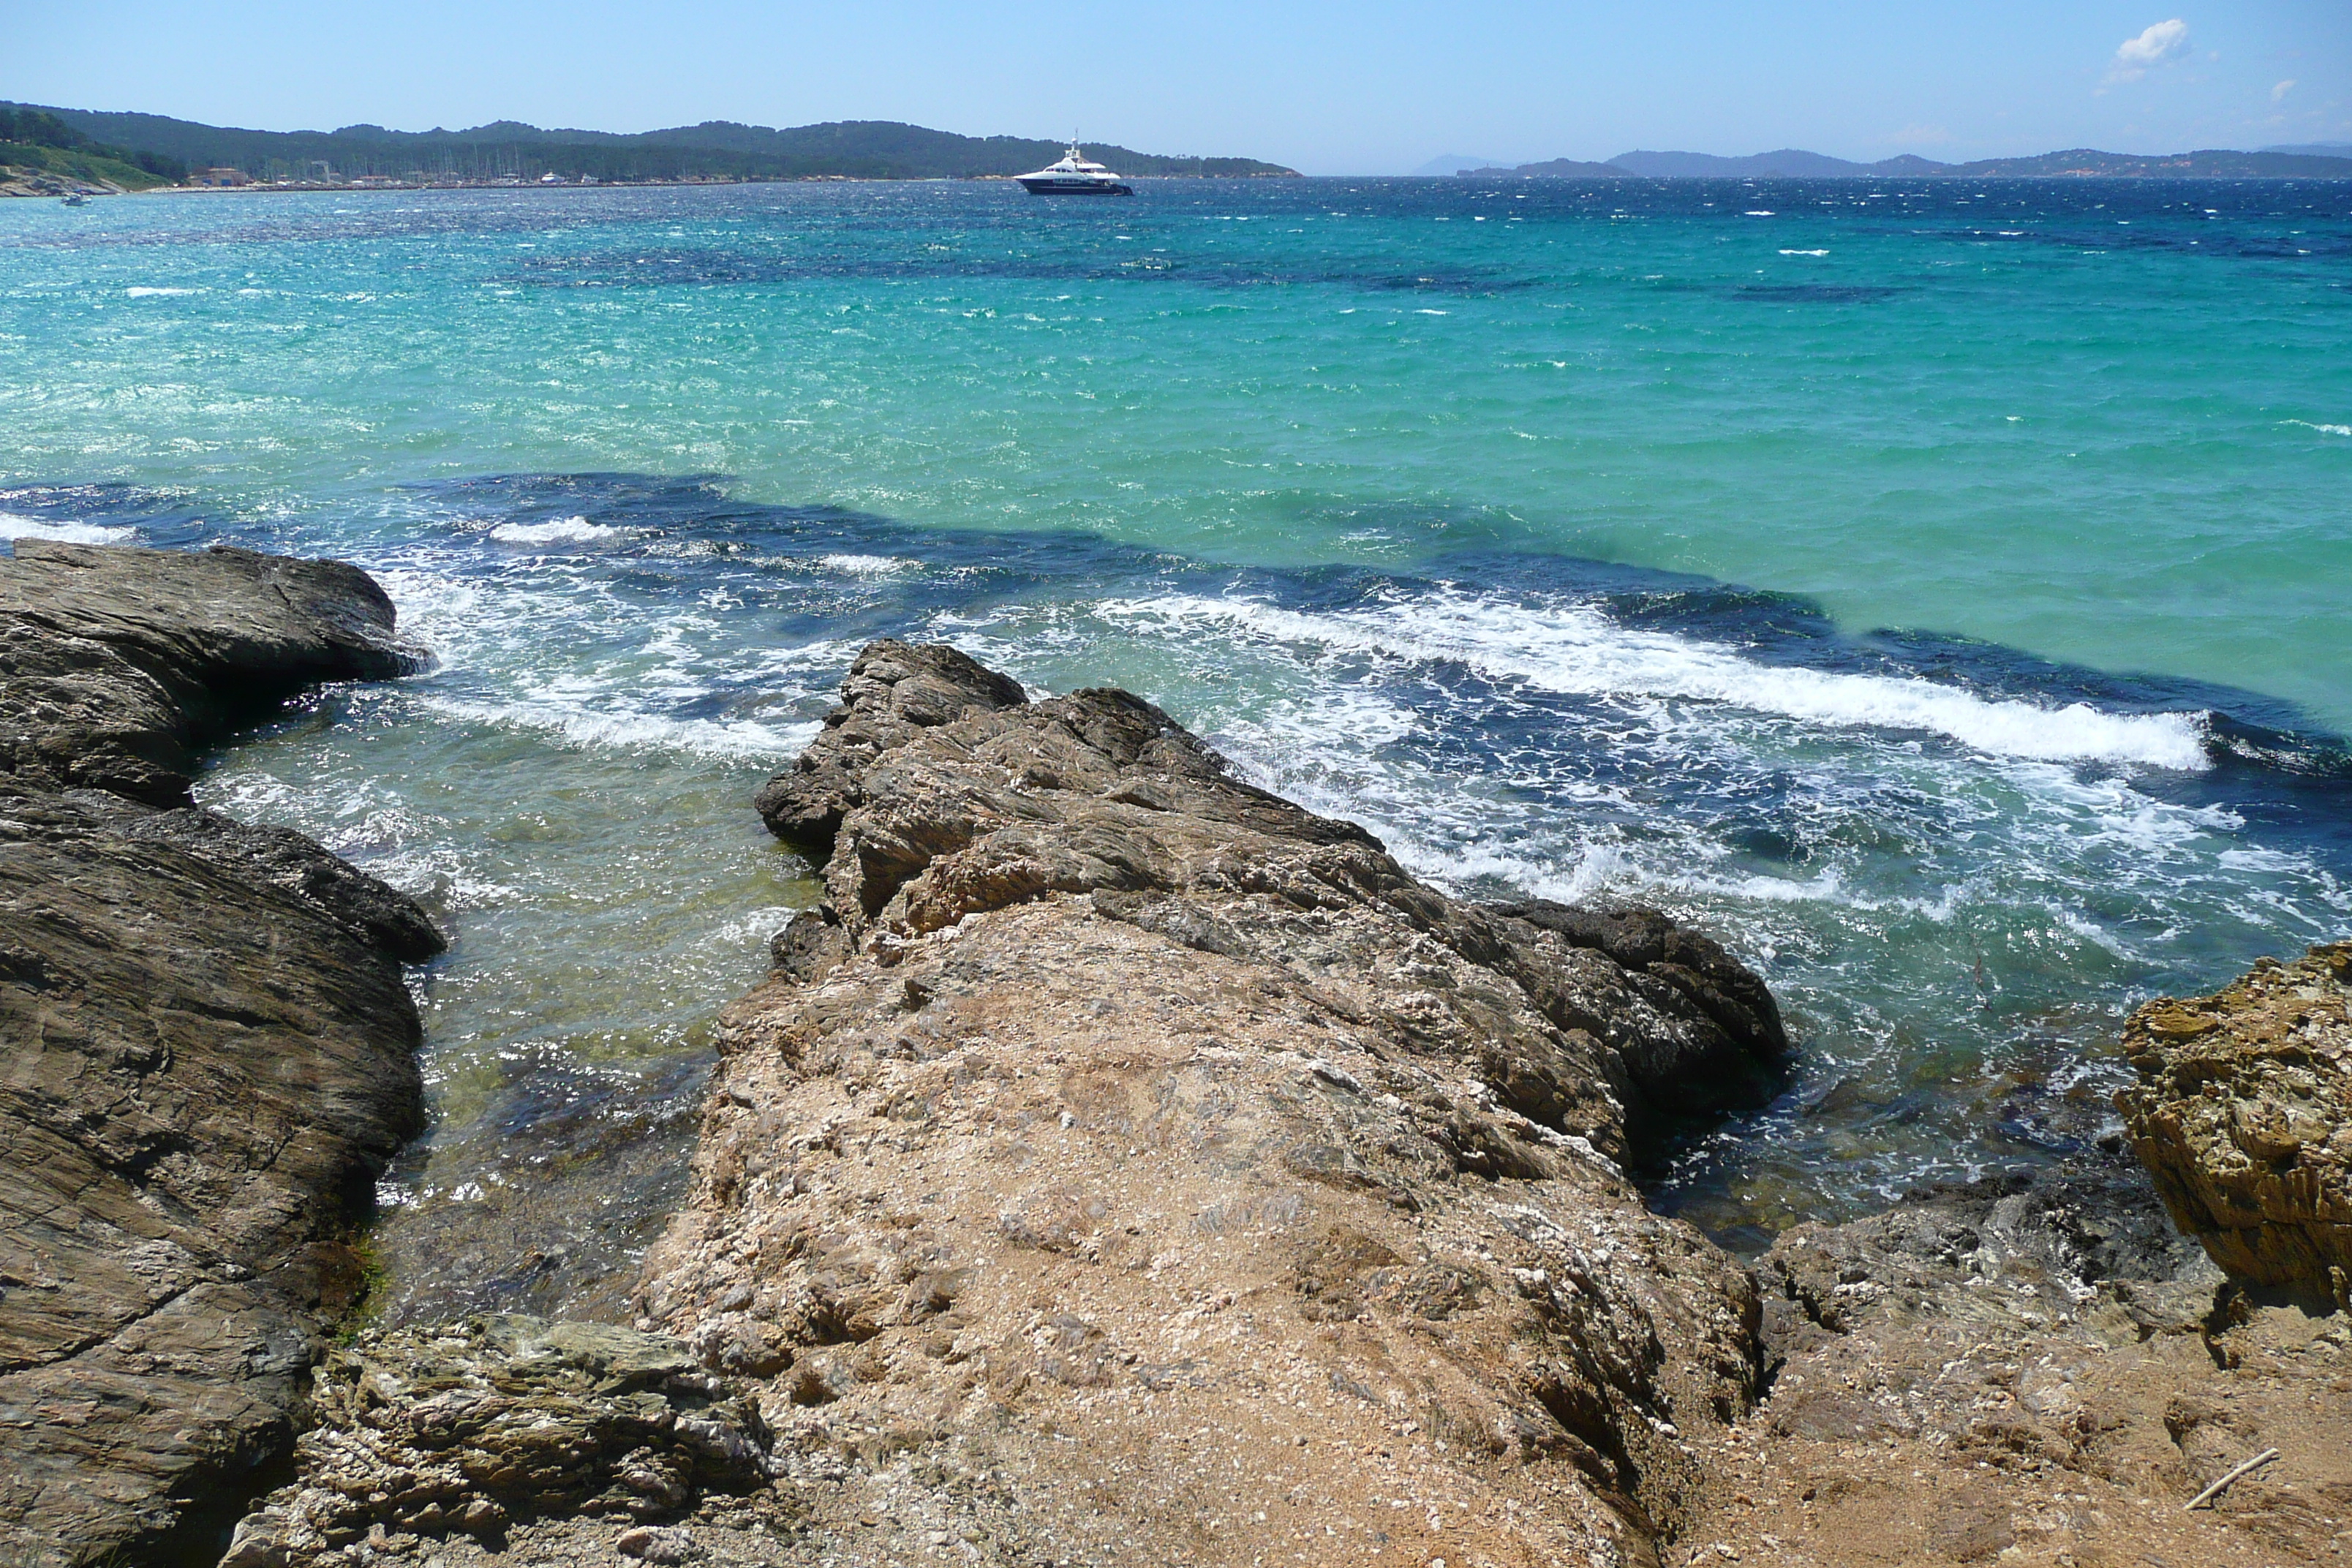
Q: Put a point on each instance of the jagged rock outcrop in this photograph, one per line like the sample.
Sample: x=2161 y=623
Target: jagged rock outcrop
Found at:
x=206 y=1043
x=894 y=691
x=2035 y=1371
x=1129 y=1166
x=119 y=665
x=480 y=1426
x=2243 y=1114
x=938 y=791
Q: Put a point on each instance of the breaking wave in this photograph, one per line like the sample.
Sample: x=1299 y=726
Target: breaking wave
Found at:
x=567 y=530
x=14 y=526
x=1574 y=648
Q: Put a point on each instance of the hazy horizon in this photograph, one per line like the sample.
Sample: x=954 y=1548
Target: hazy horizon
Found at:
x=1384 y=89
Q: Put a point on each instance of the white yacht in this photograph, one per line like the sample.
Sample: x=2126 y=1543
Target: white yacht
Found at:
x=1074 y=176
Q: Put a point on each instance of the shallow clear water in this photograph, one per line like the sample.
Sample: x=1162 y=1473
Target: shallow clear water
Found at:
x=1547 y=529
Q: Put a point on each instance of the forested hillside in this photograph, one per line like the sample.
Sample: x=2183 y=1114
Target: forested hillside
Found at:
x=870 y=149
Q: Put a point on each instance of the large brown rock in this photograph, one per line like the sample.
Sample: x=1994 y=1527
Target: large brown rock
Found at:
x=1129 y=1166
x=965 y=797
x=893 y=690
x=205 y=1046
x=119 y=665
x=2243 y=1114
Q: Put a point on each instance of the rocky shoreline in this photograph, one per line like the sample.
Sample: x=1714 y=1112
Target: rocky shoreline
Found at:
x=1121 y=1166
x=210 y=1049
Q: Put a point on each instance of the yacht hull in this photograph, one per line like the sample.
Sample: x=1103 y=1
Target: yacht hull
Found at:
x=1076 y=188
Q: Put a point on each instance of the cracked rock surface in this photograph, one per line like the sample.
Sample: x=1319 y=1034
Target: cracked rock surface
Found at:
x=2243 y=1114
x=206 y=1043
x=1128 y=1166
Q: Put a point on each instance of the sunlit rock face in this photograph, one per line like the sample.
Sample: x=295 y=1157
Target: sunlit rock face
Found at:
x=2243 y=1114
x=1128 y=1162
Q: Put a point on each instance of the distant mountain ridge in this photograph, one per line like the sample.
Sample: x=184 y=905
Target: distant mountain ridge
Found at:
x=1793 y=163
x=717 y=149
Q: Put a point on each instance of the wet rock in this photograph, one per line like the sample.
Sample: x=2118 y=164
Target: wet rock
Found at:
x=117 y=665
x=487 y=1426
x=206 y=1048
x=1129 y=1166
x=2243 y=1112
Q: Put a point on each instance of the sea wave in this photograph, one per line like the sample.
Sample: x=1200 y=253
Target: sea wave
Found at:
x=585 y=725
x=868 y=565
x=14 y=525
x=2323 y=429
x=566 y=531
x=1574 y=648
x=146 y=291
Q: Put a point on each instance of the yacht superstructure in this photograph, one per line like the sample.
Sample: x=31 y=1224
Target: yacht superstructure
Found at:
x=1073 y=175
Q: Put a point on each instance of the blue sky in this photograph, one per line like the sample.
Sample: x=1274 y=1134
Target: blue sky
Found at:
x=1326 y=87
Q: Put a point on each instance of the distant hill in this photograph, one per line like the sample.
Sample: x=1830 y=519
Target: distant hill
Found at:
x=2317 y=149
x=1564 y=169
x=1787 y=164
x=44 y=144
x=1454 y=164
x=719 y=149
x=2210 y=164
x=1791 y=164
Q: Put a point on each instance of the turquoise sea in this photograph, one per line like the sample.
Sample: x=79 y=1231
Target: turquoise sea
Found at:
x=1942 y=592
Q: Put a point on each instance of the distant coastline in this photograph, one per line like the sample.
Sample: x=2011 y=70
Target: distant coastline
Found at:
x=2078 y=162
x=511 y=155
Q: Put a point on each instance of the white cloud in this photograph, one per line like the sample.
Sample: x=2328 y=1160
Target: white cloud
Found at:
x=2281 y=90
x=2157 y=45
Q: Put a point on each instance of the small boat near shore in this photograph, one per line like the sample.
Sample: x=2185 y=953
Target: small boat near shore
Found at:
x=1073 y=176
x=75 y=199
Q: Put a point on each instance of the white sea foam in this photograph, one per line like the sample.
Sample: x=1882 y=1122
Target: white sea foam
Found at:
x=14 y=526
x=2324 y=429
x=1574 y=648
x=1804 y=253
x=868 y=565
x=586 y=725
x=566 y=531
x=145 y=292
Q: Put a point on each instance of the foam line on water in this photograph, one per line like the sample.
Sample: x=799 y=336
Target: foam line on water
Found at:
x=14 y=525
x=1575 y=649
x=868 y=565
x=584 y=725
x=564 y=530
